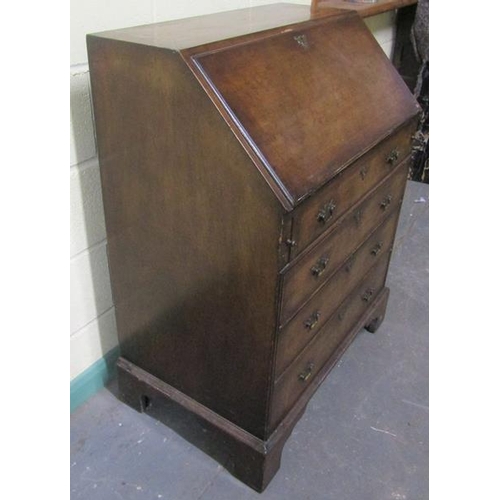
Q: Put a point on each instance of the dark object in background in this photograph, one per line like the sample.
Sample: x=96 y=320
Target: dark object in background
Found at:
x=419 y=169
x=411 y=58
x=420 y=39
x=404 y=58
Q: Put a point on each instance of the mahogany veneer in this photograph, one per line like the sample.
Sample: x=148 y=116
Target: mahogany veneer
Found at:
x=253 y=165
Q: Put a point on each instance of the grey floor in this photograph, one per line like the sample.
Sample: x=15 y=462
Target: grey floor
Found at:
x=364 y=435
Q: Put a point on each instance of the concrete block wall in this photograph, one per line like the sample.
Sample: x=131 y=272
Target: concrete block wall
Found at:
x=92 y=325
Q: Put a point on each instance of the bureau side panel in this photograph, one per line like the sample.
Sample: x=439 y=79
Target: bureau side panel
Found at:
x=193 y=233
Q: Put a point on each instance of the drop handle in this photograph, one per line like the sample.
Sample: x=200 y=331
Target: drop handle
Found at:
x=386 y=202
x=302 y=41
x=376 y=249
x=319 y=268
x=326 y=212
x=368 y=295
x=392 y=157
x=306 y=374
x=311 y=322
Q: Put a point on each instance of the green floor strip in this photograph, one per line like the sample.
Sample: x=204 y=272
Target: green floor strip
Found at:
x=94 y=378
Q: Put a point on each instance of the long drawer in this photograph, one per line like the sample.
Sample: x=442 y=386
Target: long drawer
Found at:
x=320 y=212
x=302 y=371
x=308 y=273
x=299 y=331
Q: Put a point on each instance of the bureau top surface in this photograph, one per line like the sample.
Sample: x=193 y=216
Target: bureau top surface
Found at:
x=189 y=32
x=305 y=95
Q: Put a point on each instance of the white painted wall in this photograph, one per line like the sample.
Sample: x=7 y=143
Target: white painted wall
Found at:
x=92 y=325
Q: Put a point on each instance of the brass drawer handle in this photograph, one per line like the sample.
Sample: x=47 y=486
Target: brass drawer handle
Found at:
x=319 y=268
x=326 y=212
x=341 y=315
x=376 y=249
x=312 y=321
x=307 y=373
x=363 y=173
x=368 y=295
x=386 y=202
x=392 y=157
x=302 y=41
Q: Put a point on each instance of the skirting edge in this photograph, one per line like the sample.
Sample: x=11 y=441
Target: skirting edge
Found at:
x=252 y=460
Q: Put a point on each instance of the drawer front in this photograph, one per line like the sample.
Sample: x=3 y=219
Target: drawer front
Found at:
x=302 y=371
x=309 y=272
x=319 y=213
x=300 y=330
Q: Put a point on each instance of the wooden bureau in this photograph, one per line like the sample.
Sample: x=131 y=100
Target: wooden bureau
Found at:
x=253 y=165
